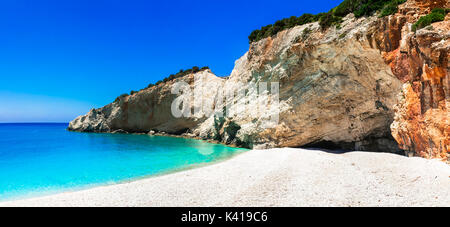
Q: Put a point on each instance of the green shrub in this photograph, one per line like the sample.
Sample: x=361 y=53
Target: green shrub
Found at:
x=305 y=19
x=333 y=18
x=436 y=15
x=305 y=34
x=440 y=11
x=180 y=73
x=389 y=10
x=346 y=7
x=121 y=97
x=271 y=30
x=367 y=8
x=329 y=20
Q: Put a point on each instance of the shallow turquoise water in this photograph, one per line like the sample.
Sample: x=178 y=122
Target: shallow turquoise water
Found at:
x=39 y=159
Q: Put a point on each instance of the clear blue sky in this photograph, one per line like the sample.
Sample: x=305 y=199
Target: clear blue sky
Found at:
x=60 y=58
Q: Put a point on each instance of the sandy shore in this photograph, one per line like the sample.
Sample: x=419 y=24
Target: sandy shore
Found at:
x=280 y=177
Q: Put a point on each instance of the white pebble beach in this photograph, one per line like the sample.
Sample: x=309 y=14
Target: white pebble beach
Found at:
x=278 y=177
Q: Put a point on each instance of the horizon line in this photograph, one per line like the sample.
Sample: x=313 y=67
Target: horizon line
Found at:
x=38 y=122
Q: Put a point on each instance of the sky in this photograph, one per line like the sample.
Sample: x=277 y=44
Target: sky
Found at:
x=59 y=59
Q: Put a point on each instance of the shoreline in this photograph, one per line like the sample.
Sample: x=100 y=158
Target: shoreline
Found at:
x=164 y=134
x=277 y=177
x=127 y=181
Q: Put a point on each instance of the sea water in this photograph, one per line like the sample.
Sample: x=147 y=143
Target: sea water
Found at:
x=41 y=159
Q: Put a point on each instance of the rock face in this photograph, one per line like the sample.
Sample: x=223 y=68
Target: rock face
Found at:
x=333 y=89
x=149 y=109
x=337 y=88
x=421 y=123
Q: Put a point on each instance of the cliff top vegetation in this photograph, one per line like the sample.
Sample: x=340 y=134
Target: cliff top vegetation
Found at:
x=334 y=17
x=436 y=15
x=171 y=77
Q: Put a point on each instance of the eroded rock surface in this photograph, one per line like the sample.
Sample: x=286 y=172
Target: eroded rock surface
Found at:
x=421 y=123
x=149 y=109
x=339 y=86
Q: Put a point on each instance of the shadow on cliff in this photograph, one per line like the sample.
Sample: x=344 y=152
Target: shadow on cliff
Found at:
x=385 y=145
x=326 y=146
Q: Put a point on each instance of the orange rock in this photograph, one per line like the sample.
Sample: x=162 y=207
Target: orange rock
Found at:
x=421 y=123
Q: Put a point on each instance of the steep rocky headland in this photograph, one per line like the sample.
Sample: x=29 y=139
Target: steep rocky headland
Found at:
x=371 y=83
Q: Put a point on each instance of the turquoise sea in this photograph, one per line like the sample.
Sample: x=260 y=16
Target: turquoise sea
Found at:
x=41 y=159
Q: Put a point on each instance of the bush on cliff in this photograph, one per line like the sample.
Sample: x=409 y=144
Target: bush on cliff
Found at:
x=391 y=8
x=333 y=18
x=181 y=73
x=329 y=20
x=367 y=7
x=121 y=97
x=271 y=30
x=436 y=15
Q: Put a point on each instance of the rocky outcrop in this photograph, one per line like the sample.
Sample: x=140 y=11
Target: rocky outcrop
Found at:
x=338 y=87
x=332 y=88
x=421 y=123
x=149 y=109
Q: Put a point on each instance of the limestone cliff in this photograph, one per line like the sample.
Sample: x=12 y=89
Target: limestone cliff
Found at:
x=147 y=110
x=339 y=86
